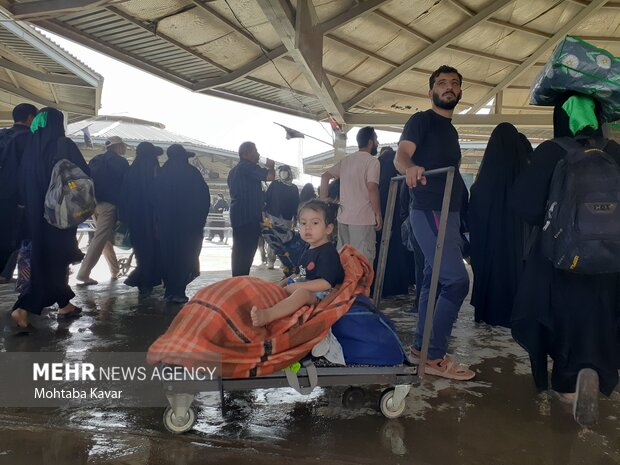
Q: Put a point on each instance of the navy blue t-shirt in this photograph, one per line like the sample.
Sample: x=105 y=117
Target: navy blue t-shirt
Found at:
x=437 y=146
x=246 y=193
x=323 y=262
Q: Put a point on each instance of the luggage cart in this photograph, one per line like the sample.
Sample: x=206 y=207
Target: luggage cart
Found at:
x=180 y=416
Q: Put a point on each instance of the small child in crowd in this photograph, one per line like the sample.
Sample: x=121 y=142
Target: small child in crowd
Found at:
x=319 y=265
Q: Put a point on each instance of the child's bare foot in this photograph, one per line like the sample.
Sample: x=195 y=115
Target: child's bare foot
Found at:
x=20 y=316
x=259 y=317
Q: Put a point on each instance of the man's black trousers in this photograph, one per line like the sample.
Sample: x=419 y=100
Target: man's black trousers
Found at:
x=245 y=241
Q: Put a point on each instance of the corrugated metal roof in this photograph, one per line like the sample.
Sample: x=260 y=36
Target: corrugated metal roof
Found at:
x=134 y=131
x=38 y=71
x=362 y=61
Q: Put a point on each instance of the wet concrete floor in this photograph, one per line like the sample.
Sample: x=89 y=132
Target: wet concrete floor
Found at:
x=498 y=418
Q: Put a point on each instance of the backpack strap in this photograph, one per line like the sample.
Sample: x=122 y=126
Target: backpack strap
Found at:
x=569 y=144
x=578 y=143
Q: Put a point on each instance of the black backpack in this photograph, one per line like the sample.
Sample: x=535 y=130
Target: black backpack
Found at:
x=581 y=232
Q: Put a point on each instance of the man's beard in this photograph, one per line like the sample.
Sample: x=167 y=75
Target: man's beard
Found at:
x=446 y=105
x=374 y=151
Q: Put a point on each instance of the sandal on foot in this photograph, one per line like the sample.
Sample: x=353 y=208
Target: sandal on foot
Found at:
x=447 y=368
x=414 y=354
x=585 y=408
x=20 y=323
x=72 y=314
x=564 y=397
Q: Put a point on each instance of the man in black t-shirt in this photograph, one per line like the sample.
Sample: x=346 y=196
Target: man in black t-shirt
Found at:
x=246 y=205
x=430 y=141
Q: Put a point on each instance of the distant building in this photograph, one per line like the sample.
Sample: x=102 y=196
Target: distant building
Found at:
x=90 y=135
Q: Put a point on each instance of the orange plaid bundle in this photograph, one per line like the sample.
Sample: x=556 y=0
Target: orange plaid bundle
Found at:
x=217 y=320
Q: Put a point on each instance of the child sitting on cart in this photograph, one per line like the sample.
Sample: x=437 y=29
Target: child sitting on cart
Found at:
x=320 y=268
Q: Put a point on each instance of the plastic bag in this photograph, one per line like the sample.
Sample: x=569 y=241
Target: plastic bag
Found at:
x=577 y=66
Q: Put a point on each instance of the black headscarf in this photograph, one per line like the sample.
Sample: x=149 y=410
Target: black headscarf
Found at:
x=53 y=249
x=307 y=193
x=137 y=210
x=138 y=183
x=182 y=202
x=45 y=147
x=496 y=233
x=183 y=197
x=40 y=155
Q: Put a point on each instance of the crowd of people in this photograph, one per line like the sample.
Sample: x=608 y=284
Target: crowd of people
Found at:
x=164 y=208
x=573 y=318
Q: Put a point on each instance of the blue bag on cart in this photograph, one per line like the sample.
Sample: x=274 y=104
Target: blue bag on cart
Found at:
x=367 y=336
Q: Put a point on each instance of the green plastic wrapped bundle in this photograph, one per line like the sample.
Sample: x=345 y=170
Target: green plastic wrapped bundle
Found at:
x=578 y=66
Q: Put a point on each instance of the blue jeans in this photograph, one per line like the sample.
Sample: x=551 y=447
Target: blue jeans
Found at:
x=453 y=278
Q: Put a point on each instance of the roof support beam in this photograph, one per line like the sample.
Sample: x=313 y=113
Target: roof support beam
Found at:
x=115 y=52
x=585 y=3
x=499 y=103
x=428 y=40
x=40 y=76
x=415 y=70
x=260 y=103
x=202 y=4
x=441 y=43
x=498 y=22
x=529 y=120
x=242 y=72
x=361 y=9
x=300 y=34
x=12 y=78
x=531 y=60
x=50 y=103
x=51 y=50
x=600 y=38
x=53 y=7
x=168 y=39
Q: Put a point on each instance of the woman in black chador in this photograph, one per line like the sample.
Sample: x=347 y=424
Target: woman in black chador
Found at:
x=138 y=213
x=53 y=249
x=307 y=193
x=574 y=318
x=496 y=231
x=182 y=202
x=397 y=270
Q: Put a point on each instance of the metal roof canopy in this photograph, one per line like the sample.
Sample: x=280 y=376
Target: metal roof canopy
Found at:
x=35 y=70
x=135 y=130
x=360 y=62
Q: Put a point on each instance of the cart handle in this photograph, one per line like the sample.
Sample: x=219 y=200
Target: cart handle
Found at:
x=428 y=173
x=385 y=240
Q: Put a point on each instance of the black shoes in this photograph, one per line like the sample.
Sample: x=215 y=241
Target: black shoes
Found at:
x=176 y=299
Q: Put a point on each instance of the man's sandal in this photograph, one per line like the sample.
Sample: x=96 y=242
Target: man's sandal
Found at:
x=447 y=368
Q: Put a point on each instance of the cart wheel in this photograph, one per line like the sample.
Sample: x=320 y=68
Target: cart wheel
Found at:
x=353 y=397
x=386 y=404
x=179 y=425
